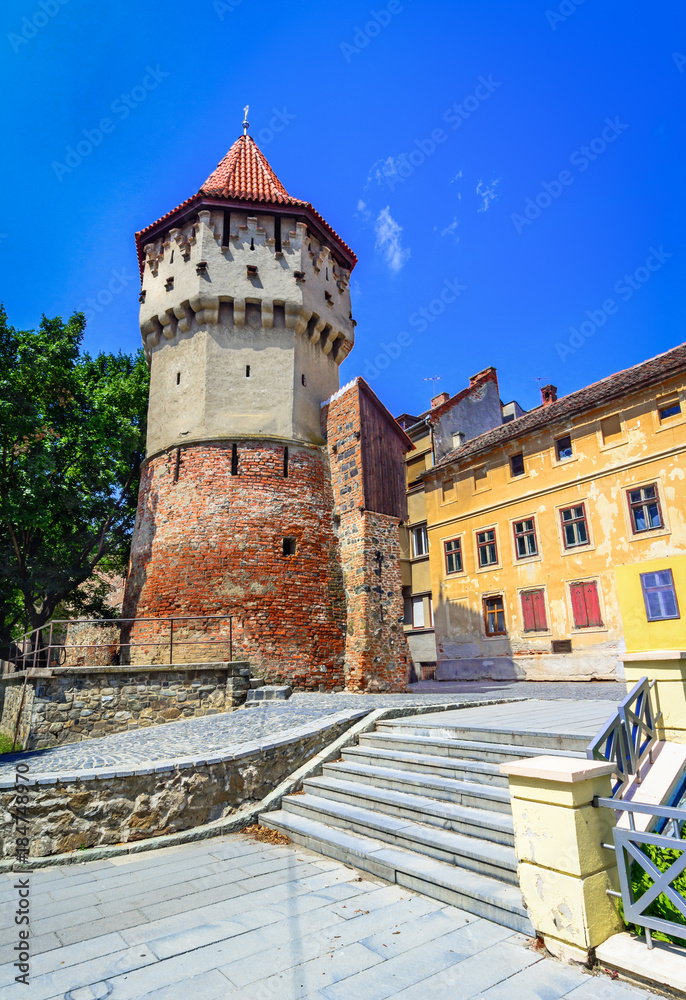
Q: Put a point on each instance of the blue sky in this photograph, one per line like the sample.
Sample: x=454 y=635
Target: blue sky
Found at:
x=510 y=174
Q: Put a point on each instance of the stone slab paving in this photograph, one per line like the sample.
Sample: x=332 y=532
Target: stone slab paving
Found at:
x=566 y=717
x=233 y=918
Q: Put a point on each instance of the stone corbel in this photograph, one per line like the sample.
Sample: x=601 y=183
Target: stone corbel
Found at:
x=168 y=323
x=182 y=243
x=206 y=308
x=151 y=258
x=328 y=343
x=292 y=314
x=267 y=314
x=317 y=331
x=184 y=319
x=151 y=331
x=239 y=312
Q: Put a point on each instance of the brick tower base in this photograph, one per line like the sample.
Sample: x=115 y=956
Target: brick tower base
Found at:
x=215 y=532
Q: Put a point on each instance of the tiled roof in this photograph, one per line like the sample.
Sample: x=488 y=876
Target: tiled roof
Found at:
x=614 y=387
x=245 y=175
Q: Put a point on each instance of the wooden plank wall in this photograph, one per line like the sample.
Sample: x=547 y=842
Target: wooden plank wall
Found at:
x=383 y=464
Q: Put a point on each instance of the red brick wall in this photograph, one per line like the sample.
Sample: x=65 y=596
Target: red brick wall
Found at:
x=376 y=654
x=212 y=543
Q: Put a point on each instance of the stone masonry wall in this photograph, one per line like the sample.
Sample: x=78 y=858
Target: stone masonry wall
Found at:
x=208 y=541
x=377 y=657
x=64 y=816
x=17 y=698
x=79 y=704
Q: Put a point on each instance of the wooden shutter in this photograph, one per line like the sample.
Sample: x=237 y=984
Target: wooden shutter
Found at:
x=592 y=603
x=585 y=604
x=528 y=611
x=538 y=602
x=533 y=611
x=578 y=605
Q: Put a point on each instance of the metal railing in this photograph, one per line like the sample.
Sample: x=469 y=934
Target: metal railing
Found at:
x=628 y=844
x=35 y=653
x=628 y=737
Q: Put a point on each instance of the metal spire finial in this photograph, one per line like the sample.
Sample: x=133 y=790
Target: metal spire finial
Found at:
x=246 y=123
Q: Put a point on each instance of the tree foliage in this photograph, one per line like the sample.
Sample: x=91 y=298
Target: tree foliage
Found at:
x=72 y=438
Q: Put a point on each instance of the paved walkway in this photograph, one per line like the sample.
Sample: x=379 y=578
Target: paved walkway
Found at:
x=233 y=918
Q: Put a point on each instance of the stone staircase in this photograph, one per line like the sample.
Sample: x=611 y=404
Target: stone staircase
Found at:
x=424 y=806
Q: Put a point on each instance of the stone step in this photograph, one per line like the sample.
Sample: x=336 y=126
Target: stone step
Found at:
x=472 y=853
x=494 y=826
x=447 y=767
x=256 y=682
x=468 y=793
x=465 y=749
x=495 y=734
x=268 y=692
x=479 y=894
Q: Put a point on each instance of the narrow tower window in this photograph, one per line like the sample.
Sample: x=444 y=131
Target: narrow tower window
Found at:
x=234 y=460
x=247 y=371
x=285 y=462
x=226 y=231
x=252 y=243
x=289 y=546
x=303 y=380
x=171 y=259
x=177 y=463
x=178 y=378
x=277 y=233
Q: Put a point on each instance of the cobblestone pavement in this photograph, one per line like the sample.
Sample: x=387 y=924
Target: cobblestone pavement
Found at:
x=230 y=733
x=233 y=918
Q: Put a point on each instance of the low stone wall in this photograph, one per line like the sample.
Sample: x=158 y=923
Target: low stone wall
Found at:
x=119 y=806
x=579 y=665
x=70 y=704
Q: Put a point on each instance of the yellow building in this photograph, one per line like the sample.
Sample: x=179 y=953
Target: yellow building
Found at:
x=527 y=522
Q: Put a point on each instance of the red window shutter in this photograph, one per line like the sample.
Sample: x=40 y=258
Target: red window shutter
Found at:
x=528 y=612
x=538 y=604
x=592 y=603
x=578 y=605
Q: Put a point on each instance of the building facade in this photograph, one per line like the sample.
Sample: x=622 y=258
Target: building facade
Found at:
x=244 y=505
x=527 y=522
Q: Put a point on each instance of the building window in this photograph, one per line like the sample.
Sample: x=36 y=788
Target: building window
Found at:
x=525 y=538
x=289 y=546
x=668 y=407
x=517 y=465
x=585 y=604
x=494 y=616
x=453 y=555
x=420 y=541
x=487 y=548
x=659 y=596
x=407 y=606
x=563 y=447
x=417 y=612
x=574 y=526
x=480 y=477
x=644 y=506
x=611 y=429
x=533 y=611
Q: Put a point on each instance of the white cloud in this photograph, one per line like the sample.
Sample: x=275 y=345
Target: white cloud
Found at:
x=450 y=230
x=457 y=177
x=382 y=170
x=388 y=240
x=363 y=211
x=487 y=193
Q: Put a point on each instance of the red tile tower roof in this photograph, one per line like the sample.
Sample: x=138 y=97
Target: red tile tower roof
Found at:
x=244 y=175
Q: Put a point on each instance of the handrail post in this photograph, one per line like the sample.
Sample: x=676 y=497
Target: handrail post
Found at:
x=50 y=645
x=171 y=641
x=231 y=638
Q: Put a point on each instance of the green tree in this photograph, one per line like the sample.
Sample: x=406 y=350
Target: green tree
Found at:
x=72 y=438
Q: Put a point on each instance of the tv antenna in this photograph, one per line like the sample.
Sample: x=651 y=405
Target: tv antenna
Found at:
x=433 y=379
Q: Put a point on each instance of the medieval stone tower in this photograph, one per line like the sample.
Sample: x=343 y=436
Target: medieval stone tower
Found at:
x=245 y=318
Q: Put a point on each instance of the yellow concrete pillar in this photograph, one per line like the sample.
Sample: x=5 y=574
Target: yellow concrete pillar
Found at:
x=564 y=873
x=667 y=667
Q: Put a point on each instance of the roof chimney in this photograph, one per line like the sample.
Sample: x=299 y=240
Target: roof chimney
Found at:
x=438 y=400
x=548 y=394
x=487 y=375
